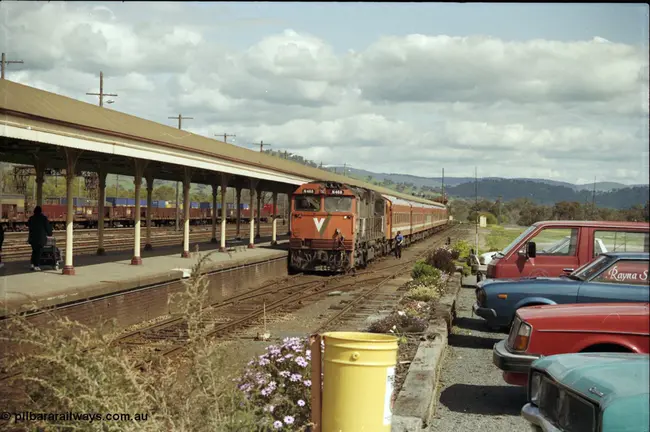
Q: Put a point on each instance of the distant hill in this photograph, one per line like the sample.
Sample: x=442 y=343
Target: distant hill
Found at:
x=548 y=194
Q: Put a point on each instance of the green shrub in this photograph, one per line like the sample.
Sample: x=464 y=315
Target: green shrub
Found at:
x=423 y=271
x=463 y=249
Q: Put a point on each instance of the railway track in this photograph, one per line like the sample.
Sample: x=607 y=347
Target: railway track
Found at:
x=372 y=299
x=115 y=241
x=222 y=319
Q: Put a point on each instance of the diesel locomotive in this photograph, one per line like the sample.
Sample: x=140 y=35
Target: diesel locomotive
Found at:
x=337 y=227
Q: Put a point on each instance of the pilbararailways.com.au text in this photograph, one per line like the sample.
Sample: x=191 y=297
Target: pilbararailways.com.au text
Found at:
x=28 y=416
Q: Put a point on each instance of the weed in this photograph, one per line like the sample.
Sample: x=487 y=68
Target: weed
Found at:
x=79 y=369
x=399 y=322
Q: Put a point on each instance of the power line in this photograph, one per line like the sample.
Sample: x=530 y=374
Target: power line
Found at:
x=101 y=93
x=225 y=136
x=5 y=62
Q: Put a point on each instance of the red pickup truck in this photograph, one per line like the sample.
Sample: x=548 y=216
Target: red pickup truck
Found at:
x=571 y=328
x=554 y=248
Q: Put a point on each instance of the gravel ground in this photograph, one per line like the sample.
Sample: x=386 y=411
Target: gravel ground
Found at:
x=472 y=393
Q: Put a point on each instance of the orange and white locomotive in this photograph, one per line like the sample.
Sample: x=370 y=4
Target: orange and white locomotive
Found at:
x=337 y=227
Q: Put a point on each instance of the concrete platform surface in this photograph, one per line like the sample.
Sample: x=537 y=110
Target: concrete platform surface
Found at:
x=97 y=276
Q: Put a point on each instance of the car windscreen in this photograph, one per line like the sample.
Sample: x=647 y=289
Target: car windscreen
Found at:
x=590 y=269
x=336 y=204
x=508 y=248
x=307 y=203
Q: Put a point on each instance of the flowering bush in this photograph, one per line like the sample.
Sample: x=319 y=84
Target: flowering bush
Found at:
x=415 y=308
x=278 y=384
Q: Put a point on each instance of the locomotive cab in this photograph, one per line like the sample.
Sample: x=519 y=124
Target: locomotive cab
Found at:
x=322 y=227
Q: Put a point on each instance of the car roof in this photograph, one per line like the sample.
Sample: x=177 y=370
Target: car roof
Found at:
x=608 y=224
x=628 y=255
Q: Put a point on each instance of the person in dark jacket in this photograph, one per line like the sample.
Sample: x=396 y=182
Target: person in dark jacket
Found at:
x=2 y=240
x=39 y=230
x=399 y=240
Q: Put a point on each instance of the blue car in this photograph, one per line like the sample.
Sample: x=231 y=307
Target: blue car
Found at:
x=604 y=392
x=612 y=277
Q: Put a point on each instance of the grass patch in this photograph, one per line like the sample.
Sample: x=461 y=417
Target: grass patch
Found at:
x=499 y=237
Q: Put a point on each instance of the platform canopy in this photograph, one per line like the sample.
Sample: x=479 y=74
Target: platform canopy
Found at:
x=38 y=123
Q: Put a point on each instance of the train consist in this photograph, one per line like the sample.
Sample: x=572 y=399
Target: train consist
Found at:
x=337 y=227
x=120 y=215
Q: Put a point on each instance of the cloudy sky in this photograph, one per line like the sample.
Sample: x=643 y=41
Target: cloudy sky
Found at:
x=551 y=91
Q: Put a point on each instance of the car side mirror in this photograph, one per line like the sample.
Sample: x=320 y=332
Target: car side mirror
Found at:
x=531 y=250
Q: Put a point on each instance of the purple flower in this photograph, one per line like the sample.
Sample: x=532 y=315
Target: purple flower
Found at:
x=288 y=419
x=285 y=374
x=301 y=403
x=277 y=424
x=301 y=361
x=307 y=383
x=295 y=377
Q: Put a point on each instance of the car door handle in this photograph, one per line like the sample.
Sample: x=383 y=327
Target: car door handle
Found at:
x=568 y=270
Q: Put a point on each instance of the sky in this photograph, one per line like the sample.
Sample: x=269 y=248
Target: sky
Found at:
x=555 y=91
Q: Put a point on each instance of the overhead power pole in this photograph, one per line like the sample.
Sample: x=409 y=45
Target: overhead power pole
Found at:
x=262 y=145
x=476 y=205
x=225 y=137
x=593 y=201
x=101 y=93
x=443 y=185
x=5 y=62
x=180 y=119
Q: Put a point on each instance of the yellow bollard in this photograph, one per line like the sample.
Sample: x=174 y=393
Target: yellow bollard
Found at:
x=358 y=374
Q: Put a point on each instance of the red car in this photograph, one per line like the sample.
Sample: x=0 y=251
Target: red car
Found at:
x=571 y=328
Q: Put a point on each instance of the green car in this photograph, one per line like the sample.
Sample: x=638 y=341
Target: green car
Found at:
x=589 y=392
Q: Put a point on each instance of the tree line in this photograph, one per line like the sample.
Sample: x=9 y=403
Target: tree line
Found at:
x=525 y=212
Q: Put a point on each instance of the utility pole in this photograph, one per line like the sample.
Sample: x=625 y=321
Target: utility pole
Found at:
x=101 y=93
x=344 y=169
x=5 y=62
x=262 y=145
x=443 y=185
x=476 y=205
x=180 y=124
x=593 y=201
x=225 y=137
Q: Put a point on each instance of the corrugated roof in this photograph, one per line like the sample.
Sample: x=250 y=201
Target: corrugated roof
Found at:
x=51 y=107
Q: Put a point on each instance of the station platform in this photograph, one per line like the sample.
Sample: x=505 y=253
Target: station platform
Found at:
x=100 y=276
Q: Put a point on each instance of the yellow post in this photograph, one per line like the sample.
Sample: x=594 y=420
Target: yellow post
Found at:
x=358 y=375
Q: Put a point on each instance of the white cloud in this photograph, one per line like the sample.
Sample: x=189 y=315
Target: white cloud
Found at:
x=409 y=104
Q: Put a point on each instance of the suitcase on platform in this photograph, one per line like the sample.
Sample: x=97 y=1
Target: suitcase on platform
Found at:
x=51 y=255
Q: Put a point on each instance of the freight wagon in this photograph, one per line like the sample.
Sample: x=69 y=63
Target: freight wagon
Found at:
x=337 y=227
x=119 y=212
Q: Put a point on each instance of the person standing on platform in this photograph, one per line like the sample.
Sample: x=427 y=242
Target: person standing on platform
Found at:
x=39 y=230
x=399 y=239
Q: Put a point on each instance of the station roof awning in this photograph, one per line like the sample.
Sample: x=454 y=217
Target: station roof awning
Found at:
x=35 y=115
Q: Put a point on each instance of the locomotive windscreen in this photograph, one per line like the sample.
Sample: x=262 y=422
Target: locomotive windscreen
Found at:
x=335 y=204
x=307 y=203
